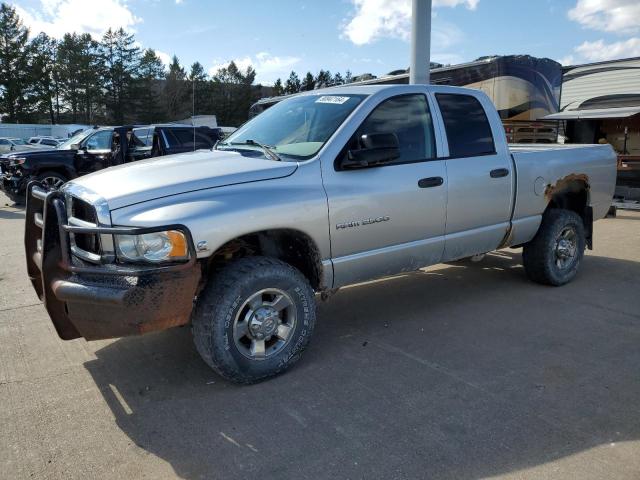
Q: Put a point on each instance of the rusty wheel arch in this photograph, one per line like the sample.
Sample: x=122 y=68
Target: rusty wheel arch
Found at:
x=572 y=192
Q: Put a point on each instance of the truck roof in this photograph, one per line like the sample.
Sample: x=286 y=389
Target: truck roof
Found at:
x=371 y=89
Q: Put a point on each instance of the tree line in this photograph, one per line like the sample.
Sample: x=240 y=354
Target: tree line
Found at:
x=80 y=79
x=324 y=78
x=111 y=80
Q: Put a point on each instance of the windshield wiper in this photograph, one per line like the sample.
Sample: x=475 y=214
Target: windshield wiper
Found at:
x=266 y=149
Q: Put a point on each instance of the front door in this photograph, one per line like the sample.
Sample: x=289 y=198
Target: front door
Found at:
x=388 y=218
x=95 y=152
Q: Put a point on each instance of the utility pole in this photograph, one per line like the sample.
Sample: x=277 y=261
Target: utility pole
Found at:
x=420 y=42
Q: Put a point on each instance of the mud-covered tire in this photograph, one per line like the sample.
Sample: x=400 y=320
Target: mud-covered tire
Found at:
x=222 y=302
x=544 y=259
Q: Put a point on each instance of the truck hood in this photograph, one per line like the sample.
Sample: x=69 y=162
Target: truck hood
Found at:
x=33 y=155
x=145 y=180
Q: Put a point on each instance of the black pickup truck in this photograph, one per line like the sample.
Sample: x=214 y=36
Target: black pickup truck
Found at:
x=99 y=148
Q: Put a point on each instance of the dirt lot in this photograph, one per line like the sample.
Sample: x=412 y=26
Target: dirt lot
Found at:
x=458 y=372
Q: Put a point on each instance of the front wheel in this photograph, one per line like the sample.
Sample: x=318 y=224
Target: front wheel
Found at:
x=254 y=319
x=554 y=254
x=52 y=180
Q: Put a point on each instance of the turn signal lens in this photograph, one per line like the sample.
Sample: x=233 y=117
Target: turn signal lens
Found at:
x=178 y=244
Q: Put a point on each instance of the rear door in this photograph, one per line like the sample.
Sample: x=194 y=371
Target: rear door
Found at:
x=140 y=144
x=479 y=170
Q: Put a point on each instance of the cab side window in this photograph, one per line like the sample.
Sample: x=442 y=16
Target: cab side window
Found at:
x=99 y=141
x=407 y=117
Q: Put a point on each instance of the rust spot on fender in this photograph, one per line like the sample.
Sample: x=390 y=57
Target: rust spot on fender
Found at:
x=565 y=184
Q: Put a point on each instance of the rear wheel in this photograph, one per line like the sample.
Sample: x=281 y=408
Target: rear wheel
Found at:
x=52 y=180
x=254 y=319
x=554 y=254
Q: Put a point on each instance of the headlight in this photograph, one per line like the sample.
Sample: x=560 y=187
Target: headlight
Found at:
x=14 y=161
x=153 y=247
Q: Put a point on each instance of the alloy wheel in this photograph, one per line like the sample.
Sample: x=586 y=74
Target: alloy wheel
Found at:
x=264 y=324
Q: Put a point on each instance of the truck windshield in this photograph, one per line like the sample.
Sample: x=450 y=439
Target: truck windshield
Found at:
x=296 y=128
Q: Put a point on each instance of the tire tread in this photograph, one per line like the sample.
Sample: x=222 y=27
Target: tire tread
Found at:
x=210 y=305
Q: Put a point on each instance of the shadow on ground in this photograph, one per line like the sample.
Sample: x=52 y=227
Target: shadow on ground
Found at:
x=11 y=213
x=462 y=372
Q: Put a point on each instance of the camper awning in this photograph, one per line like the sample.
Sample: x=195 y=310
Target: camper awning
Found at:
x=593 y=114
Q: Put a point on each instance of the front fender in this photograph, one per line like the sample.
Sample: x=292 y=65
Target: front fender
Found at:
x=218 y=215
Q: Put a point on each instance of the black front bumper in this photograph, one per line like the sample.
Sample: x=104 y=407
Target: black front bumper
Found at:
x=12 y=185
x=106 y=300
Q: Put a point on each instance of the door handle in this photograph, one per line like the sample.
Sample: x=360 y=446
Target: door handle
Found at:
x=430 y=182
x=499 y=172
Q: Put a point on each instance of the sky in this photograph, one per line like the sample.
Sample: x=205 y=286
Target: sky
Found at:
x=363 y=36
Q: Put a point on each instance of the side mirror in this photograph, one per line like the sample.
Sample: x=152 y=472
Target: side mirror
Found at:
x=377 y=148
x=75 y=146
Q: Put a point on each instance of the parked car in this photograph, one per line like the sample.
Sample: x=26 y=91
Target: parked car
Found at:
x=324 y=189
x=10 y=144
x=98 y=148
x=45 y=141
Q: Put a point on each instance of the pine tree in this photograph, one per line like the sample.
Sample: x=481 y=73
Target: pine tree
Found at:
x=151 y=71
x=79 y=73
x=292 y=84
x=14 y=97
x=348 y=77
x=197 y=73
x=309 y=83
x=199 y=88
x=175 y=91
x=233 y=94
x=278 y=88
x=42 y=65
x=120 y=60
x=323 y=79
x=337 y=79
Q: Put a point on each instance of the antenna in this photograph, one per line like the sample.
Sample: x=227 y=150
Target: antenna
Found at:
x=193 y=110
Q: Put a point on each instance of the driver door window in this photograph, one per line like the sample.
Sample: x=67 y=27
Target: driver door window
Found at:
x=99 y=141
x=407 y=117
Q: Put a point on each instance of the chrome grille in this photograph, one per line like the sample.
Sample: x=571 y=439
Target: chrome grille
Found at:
x=84 y=245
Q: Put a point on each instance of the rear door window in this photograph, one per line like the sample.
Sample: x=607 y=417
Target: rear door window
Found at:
x=184 y=137
x=141 y=137
x=468 y=129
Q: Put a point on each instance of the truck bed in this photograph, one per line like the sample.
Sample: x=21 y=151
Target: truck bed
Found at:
x=542 y=169
x=536 y=147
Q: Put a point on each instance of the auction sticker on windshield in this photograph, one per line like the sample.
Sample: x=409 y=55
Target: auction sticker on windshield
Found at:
x=332 y=99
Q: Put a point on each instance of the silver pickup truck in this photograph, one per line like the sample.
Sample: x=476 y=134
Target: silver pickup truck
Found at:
x=325 y=189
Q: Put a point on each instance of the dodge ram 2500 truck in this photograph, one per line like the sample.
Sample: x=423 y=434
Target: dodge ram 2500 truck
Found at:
x=325 y=189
